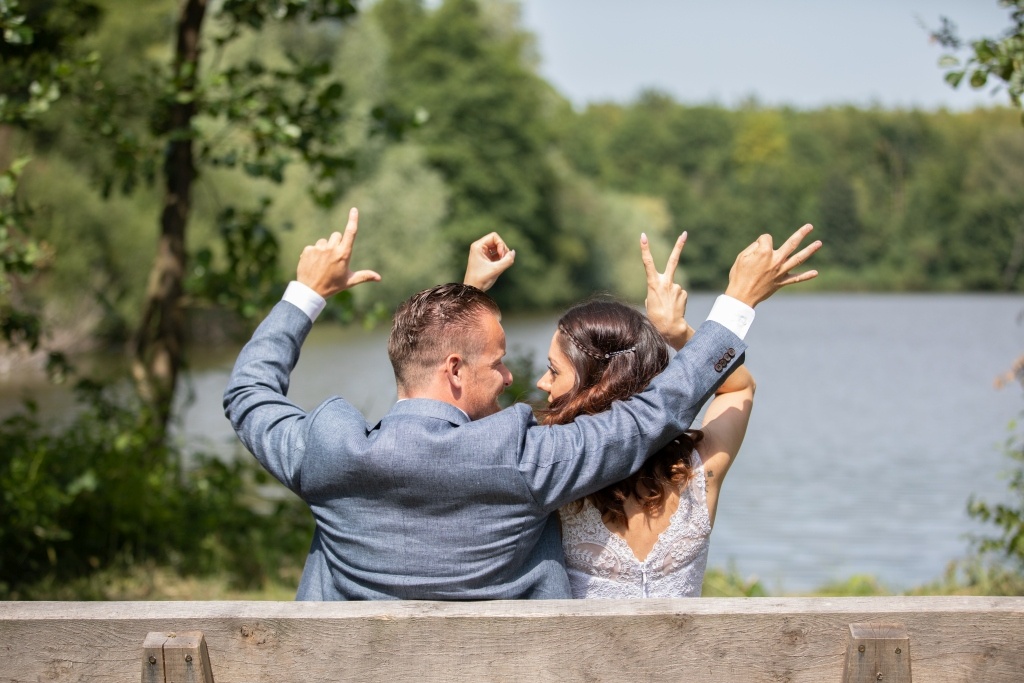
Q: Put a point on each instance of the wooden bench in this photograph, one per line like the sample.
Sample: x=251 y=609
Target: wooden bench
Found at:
x=735 y=640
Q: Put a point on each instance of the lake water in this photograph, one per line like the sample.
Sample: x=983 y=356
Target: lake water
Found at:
x=876 y=419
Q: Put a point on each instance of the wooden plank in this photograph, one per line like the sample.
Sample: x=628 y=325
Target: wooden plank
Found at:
x=186 y=658
x=153 y=658
x=709 y=639
x=877 y=652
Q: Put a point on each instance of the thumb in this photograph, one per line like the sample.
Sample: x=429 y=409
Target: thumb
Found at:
x=361 y=276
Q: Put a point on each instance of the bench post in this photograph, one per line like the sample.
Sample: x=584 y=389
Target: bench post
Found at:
x=176 y=658
x=877 y=652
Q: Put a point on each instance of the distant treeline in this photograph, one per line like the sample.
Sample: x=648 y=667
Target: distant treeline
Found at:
x=903 y=200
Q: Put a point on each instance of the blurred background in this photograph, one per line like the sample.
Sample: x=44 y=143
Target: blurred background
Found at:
x=163 y=164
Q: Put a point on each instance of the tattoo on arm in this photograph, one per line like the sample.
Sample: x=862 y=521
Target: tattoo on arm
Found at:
x=710 y=474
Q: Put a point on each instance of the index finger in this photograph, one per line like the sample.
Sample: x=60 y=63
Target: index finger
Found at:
x=790 y=245
x=350 y=229
x=645 y=256
x=673 y=258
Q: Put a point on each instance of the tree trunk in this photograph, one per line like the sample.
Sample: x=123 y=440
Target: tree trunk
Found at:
x=158 y=345
x=6 y=157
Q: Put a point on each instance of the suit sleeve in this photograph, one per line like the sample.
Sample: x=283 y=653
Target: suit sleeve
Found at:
x=566 y=462
x=255 y=401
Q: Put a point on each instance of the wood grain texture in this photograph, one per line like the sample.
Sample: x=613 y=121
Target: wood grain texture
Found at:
x=153 y=658
x=877 y=651
x=186 y=659
x=706 y=639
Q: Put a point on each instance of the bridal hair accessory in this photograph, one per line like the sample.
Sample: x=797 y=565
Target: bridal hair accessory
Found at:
x=594 y=354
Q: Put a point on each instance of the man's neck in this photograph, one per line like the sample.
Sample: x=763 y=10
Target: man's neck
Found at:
x=431 y=393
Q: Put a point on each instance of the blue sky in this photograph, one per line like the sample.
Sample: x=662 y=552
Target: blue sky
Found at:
x=804 y=53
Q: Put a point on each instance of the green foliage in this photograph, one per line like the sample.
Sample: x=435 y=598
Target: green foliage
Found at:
x=19 y=255
x=486 y=134
x=96 y=493
x=1007 y=516
x=988 y=59
x=21 y=259
x=247 y=282
x=258 y=113
x=40 y=48
x=524 y=380
x=974 y=576
x=901 y=200
x=404 y=203
x=40 y=51
x=727 y=583
x=858 y=585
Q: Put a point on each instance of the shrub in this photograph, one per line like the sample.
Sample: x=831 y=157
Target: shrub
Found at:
x=101 y=492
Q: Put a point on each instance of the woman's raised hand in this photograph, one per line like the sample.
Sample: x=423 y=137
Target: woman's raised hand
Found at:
x=666 y=301
x=489 y=257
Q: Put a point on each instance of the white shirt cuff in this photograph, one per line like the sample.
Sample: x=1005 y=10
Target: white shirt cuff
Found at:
x=732 y=314
x=308 y=301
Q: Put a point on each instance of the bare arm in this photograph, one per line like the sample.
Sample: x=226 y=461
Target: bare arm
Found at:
x=725 y=425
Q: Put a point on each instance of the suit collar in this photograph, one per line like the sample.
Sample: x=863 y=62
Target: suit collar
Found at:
x=428 y=407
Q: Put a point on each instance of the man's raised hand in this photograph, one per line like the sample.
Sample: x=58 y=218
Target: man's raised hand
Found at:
x=489 y=257
x=666 y=301
x=324 y=266
x=759 y=270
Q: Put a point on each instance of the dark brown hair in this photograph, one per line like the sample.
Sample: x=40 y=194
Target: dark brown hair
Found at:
x=432 y=324
x=615 y=352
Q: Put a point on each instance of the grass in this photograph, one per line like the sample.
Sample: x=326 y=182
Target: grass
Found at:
x=155 y=582
x=152 y=582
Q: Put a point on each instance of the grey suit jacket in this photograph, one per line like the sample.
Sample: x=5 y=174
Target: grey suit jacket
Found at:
x=427 y=504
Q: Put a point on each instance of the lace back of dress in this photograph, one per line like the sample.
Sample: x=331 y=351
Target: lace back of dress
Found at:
x=602 y=565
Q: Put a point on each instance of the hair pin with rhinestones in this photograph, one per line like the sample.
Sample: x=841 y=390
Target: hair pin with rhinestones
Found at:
x=594 y=354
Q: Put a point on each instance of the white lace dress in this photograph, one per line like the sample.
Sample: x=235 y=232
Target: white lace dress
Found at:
x=602 y=565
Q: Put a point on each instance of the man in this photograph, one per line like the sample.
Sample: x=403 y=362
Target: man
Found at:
x=448 y=497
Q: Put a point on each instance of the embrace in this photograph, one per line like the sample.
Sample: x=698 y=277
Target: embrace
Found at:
x=607 y=492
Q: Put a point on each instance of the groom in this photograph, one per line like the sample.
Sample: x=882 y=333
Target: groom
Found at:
x=448 y=497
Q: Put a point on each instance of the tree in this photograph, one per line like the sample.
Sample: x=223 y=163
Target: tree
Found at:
x=464 y=63
x=1007 y=516
x=999 y=59
x=166 y=122
x=40 y=47
x=839 y=218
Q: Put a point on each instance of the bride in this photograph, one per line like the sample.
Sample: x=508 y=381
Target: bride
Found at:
x=648 y=535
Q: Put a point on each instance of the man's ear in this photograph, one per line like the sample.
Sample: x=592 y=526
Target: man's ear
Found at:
x=454 y=369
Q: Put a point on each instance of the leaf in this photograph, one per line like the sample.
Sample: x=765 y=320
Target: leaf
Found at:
x=978 y=79
x=948 y=62
x=87 y=481
x=19 y=35
x=954 y=78
x=985 y=50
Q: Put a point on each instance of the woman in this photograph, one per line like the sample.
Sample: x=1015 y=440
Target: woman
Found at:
x=648 y=535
